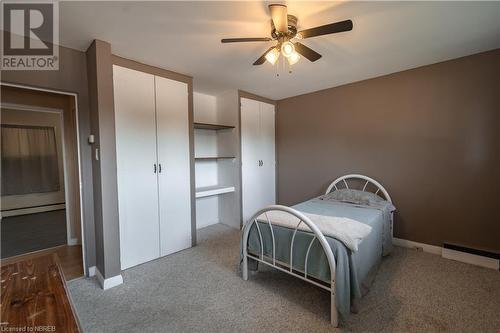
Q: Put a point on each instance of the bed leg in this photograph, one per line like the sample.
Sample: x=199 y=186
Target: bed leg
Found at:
x=245 y=267
x=334 y=316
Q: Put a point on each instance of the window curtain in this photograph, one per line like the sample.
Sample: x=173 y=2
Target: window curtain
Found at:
x=29 y=160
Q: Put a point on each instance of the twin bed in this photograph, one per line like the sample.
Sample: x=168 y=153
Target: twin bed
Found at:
x=335 y=241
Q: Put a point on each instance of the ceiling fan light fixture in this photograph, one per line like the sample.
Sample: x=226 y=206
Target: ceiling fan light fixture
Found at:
x=273 y=55
x=283 y=31
x=293 y=58
x=287 y=49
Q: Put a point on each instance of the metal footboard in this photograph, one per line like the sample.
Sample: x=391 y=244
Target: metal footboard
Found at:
x=318 y=235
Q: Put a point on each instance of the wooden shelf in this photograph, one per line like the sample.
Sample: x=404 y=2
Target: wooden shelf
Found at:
x=210 y=158
x=207 y=191
x=215 y=127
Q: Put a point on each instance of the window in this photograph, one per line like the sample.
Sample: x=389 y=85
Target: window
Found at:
x=29 y=160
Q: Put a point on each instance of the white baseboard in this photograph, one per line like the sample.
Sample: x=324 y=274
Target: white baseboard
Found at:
x=109 y=282
x=91 y=271
x=467 y=258
x=418 y=246
x=73 y=241
x=472 y=259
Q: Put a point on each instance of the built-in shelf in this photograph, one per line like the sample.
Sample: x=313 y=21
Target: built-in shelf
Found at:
x=213 y=190
x=210 y=158
x=215 y=127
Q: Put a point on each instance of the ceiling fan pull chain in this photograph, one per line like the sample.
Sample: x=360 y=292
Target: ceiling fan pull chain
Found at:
x=277 y=67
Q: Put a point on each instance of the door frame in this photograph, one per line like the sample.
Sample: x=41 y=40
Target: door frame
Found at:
x=60 y=113
x=78 y=157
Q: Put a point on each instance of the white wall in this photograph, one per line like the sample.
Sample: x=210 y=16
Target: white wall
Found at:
x=228 y=145
x=205 y=143
x=205 y=108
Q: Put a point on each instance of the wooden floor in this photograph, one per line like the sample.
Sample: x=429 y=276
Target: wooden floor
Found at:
x=70 y=259
x=34 y=297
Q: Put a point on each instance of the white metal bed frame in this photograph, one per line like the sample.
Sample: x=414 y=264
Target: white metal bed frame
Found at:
x=317 y=235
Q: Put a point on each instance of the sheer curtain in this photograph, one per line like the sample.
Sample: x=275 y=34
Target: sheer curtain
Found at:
x=29 y=160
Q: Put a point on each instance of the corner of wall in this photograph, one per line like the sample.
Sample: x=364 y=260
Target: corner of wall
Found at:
x=100 y=82
x=110 y=282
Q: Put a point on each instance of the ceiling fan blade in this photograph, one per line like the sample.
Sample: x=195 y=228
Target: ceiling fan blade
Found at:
x=238 y=40
x=279 y=17
x=262 y=58
x=327 y=29
x=308 y=53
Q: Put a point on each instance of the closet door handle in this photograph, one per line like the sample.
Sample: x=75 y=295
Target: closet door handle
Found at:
x=261 y=163
x=159 y=168
x=154 y=168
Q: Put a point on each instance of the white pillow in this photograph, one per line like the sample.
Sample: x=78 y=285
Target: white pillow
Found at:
x=359 y=198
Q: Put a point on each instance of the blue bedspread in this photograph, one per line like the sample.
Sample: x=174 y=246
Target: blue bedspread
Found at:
x=352 y=268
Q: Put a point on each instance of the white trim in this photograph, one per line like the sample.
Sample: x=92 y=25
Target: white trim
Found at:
x=32 y=210
x=92 y=271
x=464 y=257
x=417 y=246
x=109 y=282
x=78 y=155
x=34 y=108
x=472 y=259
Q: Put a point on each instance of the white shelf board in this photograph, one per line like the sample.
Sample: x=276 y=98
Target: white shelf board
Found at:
x=213 y=190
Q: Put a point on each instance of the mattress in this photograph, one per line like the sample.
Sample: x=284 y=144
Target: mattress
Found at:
x=352 y=268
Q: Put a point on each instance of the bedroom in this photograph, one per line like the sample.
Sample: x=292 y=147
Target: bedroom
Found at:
x=183 y=139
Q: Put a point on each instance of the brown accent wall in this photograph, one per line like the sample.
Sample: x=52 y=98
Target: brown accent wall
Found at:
x=102 y=125
x=430 y=135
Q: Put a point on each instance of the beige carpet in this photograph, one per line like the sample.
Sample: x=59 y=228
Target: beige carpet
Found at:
x=200 y=290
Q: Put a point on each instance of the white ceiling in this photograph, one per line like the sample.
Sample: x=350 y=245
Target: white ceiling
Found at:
x=185 y=37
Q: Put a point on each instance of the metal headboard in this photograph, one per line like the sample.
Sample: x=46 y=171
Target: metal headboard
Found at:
x=344 y=179
x=318 y=237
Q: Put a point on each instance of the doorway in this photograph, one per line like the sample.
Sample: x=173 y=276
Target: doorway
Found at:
x=40 y=194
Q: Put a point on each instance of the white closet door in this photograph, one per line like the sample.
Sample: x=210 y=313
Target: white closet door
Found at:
x=134 y=96
x=268 y=155
x=173 y=156
x=250 y=157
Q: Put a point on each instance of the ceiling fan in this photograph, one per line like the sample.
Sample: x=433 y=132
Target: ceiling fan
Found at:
x=284 y=31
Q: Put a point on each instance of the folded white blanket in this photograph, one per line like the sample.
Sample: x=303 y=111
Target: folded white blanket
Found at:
x=347 y=231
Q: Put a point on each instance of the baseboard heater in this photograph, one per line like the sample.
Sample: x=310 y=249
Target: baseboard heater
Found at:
x=33 y=209
x=471 y=256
